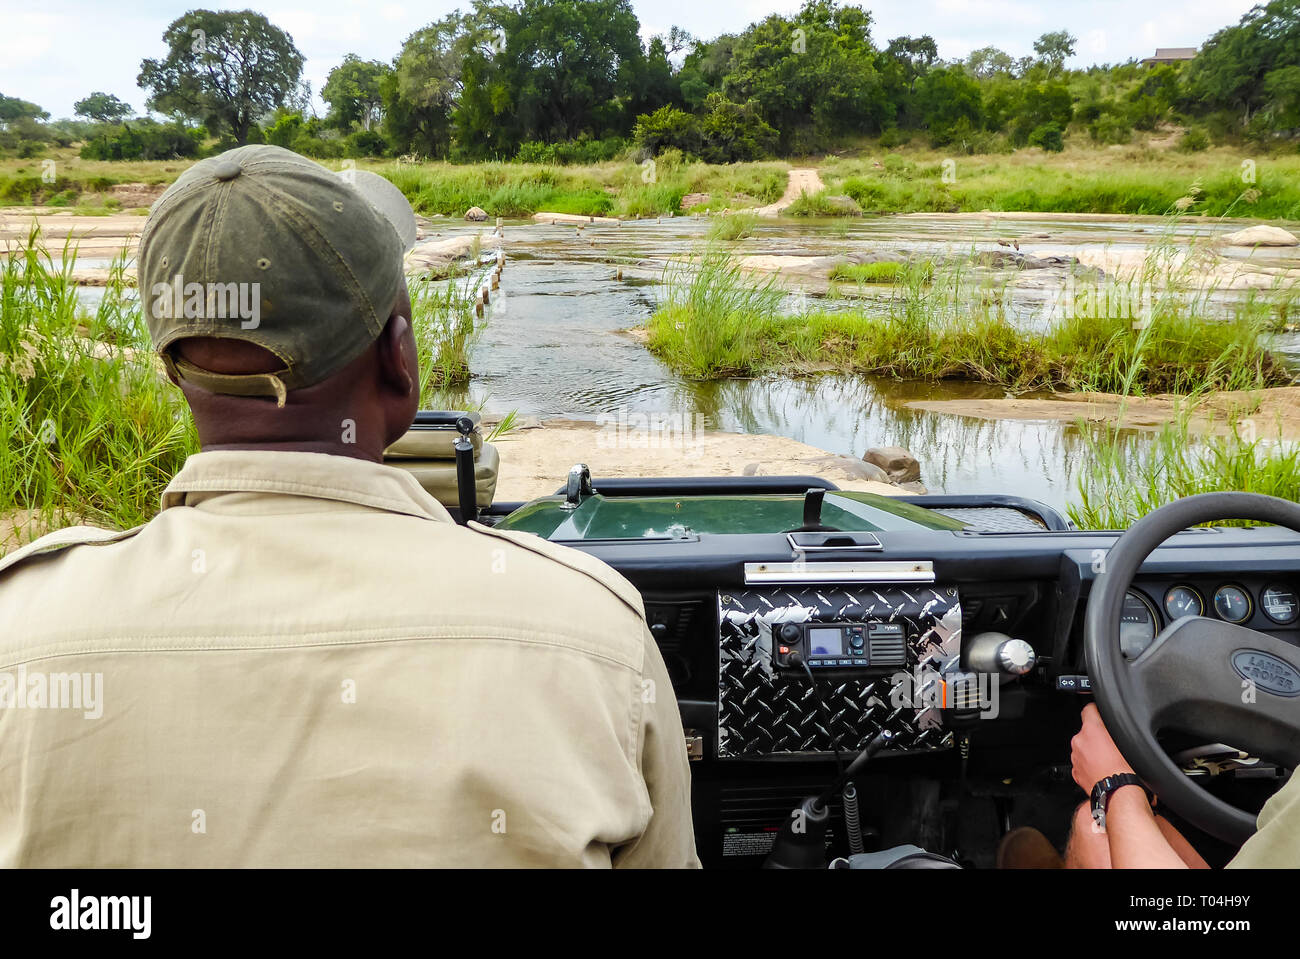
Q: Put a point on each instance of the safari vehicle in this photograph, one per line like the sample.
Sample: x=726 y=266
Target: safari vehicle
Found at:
x=903 y=674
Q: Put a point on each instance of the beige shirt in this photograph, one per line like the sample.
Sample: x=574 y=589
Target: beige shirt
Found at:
x=301 y=661
x=1276 y=844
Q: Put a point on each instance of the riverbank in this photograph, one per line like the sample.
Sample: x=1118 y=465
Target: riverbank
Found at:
x=1272 y=413
x=535 y=458
x=1083 y=179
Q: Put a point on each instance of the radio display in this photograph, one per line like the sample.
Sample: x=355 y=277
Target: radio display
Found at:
x=825 y=641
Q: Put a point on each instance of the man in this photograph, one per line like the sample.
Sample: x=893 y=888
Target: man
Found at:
x=302 y=661
x=1134 y=836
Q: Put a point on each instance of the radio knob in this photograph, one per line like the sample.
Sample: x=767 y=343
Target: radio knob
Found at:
x=790 y=633
x=1016 y=657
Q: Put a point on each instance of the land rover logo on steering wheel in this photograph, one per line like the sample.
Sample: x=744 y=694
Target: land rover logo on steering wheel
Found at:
x=1267 y=672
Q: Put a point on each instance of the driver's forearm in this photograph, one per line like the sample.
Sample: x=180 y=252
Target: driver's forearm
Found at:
x=1136 y=842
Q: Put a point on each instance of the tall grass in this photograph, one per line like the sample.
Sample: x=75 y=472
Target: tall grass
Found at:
x=718 y=321
x=714 y=318
x=1129 y=181
x=1122 y=480
x=446 y=328
x=734 y=226
x=93 y=431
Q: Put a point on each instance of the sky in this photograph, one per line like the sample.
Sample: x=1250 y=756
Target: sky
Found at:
x=57 y=51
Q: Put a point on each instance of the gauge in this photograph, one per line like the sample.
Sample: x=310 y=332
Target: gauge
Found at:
x=1280 y=604
x=1183 y=601
x=1232 y=603
x=1137 y=625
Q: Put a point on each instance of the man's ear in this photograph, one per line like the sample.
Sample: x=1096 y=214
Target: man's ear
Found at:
x=397 y=363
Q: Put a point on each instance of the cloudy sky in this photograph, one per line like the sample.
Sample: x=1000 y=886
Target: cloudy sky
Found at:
x=56 y=51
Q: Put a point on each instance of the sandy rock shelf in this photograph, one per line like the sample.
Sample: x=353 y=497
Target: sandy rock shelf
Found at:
x=535 y=460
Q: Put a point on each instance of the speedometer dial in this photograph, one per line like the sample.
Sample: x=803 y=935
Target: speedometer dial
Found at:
x=1137 y=625
x=1232 y=603
x=1183 y=601
x=1280 y=604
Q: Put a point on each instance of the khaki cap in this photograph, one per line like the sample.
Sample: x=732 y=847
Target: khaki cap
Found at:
x=263 y=245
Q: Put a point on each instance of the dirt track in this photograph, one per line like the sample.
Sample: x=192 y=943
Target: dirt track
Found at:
x=801 y=181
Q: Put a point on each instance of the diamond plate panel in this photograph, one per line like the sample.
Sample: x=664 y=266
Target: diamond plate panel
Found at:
x=763 y=712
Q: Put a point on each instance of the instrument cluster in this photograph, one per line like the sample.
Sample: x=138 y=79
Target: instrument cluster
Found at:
x=1269 y=606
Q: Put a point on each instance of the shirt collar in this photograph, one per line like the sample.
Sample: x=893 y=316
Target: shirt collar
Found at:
x=313 y=475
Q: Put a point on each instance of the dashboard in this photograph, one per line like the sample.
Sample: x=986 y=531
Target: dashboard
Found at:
x=762 y=731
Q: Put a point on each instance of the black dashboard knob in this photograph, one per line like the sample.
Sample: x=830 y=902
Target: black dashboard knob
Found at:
x=790 y=633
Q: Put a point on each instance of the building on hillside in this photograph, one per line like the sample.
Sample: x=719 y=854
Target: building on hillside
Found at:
x=1170 y=55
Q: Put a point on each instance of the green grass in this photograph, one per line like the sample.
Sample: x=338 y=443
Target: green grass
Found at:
x=1083 y=179
x=734 y=226
x=887 y=272
x=446 y=328
x=822 y=204
x=716 y=321
x=89 y=436
x=92 y=430
x=1122 y=481
x=1133 y=180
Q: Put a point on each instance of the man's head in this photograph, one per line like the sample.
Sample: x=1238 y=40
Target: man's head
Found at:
x=274 y=292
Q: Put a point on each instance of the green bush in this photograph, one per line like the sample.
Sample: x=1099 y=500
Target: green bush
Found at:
x=1049 y=136
x=366 y=143
x=1110 y=128
x=1194 y=140
x=668 y=127
x=144 y=140
x=893 y=138
x=570 y=152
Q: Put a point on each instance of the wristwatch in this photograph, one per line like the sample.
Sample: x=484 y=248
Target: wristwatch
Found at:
x=1101 y=793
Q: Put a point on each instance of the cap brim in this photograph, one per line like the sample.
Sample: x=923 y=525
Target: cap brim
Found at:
x=387 y=200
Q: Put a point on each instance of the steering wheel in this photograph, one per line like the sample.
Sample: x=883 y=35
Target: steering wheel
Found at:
x=1202 y=676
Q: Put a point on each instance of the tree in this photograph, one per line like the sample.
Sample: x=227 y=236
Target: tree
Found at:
x=225 y=69
x=814 y=73
x=427 y=83
x=566 y=64
x=1054 y=49
x=13 y=109
x=103 y=108
x=914 y=56
x=950 y=104
x=355 y=92
x=987 y=62
x=1231 y=71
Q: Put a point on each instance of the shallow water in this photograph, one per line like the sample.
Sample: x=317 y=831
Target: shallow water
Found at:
x=553 y=343
x=553 y=346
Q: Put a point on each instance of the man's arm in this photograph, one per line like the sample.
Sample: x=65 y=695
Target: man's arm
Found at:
x=1134 y=837
x=1136 y=841
x=669 y=839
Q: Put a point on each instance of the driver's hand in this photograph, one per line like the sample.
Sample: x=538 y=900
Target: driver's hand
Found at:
x=1093 y=754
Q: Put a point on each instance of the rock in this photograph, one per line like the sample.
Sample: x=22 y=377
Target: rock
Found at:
x=436 y=255
x=476 y=214
x=1260 y=236
x=694 y=199
x=573 y=219
x=851 y=467
x=751 y=469
x=917 y=488
x=900 y=465
x=846 y=205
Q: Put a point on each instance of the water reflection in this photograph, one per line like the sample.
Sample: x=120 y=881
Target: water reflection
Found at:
x=556 y=350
